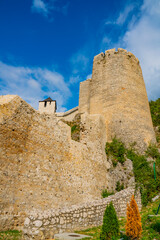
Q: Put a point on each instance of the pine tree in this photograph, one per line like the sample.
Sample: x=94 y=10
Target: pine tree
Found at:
x=110 y=227
x=133 y=224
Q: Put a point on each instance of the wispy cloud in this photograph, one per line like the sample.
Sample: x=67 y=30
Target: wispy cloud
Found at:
x=40 y=7
x=79 y=63
x=47 y=7
x=124 y=15
x=33 y=84
x=143 y=39
x=140 y=35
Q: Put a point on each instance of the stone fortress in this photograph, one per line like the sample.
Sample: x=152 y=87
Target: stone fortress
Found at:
x=49 y=182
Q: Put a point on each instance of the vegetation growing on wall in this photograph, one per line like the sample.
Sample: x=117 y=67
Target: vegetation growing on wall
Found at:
x=155 y=113
x=142 y=167
x=116 y=150
x=119 y=186
x=105 y=193
x=75 y=127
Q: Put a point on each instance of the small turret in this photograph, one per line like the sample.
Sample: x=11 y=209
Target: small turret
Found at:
x=47 y=106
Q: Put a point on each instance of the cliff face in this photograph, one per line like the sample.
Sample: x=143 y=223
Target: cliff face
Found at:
x=117 y=92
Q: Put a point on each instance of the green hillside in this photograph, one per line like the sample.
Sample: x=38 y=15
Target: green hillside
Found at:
x=155 y=113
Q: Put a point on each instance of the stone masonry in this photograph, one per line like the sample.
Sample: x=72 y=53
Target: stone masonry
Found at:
x=51 y=183
x=117 y=92
x=43 y=225
x=41 y=166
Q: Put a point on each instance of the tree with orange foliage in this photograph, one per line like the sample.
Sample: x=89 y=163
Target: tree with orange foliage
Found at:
x=133 y=224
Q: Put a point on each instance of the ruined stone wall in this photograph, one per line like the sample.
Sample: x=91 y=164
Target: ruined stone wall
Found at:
x=84 y=94
x=117 y=91
x=68 y=115
x=43 y=225
x=41 y=166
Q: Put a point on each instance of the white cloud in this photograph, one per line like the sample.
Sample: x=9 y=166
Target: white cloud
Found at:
x=47 y=7
x=123 y=15
x=40 y=6
x=143 y=39
x=106 y=40
x=79 y=63
x=33 y=84
x=80 y=60
x=74 y=79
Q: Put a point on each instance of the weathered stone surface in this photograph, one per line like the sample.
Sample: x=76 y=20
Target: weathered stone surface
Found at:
x=41 y=166
x=37 y=223
x=26 y=222
x=43 y=172
x=81 y=216
x=117 y=91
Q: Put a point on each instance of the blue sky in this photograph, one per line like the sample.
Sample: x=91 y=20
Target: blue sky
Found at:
x=47 y=46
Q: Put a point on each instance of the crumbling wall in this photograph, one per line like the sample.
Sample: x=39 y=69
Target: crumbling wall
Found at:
x=41 y=166
x=84 y=95
x=68 y=115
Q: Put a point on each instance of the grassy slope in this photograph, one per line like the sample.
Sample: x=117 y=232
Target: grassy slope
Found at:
x=10 y=235
x=155 y=113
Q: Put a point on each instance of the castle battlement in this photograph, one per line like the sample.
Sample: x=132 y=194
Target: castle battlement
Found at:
x=112 y=52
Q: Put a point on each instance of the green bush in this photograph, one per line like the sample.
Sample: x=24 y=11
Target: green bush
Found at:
x=73 y=128
x=110 y=227
x=144 y=174
x=105 y=193
x=155 y=112
x=143 y=170
x=117 y=150
x=152 y=151
x=119 y=186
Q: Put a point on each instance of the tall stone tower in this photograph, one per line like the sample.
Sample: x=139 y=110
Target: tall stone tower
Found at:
x=117 y=91
x=47 y=106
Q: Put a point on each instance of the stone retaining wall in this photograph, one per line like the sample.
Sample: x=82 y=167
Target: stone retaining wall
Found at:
x=43 y=225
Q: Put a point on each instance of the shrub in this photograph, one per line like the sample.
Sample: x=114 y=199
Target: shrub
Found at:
x=155 y=111
x=105 y=193
x=133 y=224
x=73 y=128
x=152 y=151
x=117 y=150
x=144 y=175
x=119 y=186
x=143 y=171
x=110 y=227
